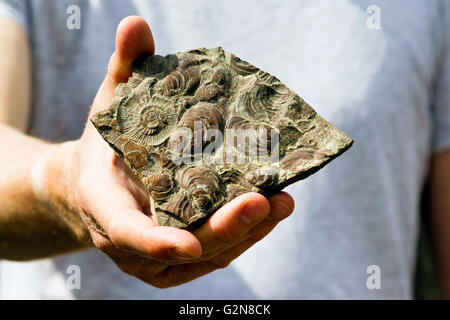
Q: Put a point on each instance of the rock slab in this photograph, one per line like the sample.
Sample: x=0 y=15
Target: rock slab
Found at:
x=201 y=127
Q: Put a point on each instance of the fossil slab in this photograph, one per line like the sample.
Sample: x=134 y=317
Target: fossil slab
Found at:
x=201 y=127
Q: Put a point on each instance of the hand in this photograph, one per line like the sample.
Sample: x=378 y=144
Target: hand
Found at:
x=116 y=207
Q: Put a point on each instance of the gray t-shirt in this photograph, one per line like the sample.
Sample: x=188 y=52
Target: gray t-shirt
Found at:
x=381 y=74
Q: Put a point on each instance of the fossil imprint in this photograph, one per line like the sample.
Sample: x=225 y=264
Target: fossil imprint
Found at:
x=201 y=127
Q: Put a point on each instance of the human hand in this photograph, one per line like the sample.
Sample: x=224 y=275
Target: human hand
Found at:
x=116 y=207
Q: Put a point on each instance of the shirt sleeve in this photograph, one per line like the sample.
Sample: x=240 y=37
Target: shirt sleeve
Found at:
x=441 y=105
x=15 y=10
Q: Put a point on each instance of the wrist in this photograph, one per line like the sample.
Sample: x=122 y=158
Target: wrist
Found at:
x=53 y=179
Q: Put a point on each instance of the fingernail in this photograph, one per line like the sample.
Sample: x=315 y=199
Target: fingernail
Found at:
x=279 y=210
x=180 y=254
x=253 y=212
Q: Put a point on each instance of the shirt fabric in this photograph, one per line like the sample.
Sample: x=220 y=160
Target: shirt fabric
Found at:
x=387 y=87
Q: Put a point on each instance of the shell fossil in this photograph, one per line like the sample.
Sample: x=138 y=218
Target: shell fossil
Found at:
x=202 y=185
x=242 y=67
x=144 y=119
x=261 y=102
x=203 y=117
x=136 y=155
x=179 y=207
x=180 y=81
x=258 y=135
x=294 y=159
x=159 y=186
x=263 y=177
x=208 y=96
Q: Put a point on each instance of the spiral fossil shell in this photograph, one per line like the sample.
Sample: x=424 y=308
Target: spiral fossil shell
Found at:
x=261 y=102
x=242 y=113
x=146 y=120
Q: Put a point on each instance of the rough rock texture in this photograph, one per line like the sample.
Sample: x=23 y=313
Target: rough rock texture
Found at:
x=195 y=101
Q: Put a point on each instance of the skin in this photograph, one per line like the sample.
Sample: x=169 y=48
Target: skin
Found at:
x=59 y=198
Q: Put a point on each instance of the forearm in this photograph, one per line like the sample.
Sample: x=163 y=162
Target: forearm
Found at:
x=36 y=216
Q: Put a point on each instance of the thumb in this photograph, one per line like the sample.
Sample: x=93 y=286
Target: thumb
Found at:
x=133 y=39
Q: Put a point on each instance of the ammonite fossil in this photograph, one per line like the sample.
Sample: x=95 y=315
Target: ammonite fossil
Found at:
x=201 y=127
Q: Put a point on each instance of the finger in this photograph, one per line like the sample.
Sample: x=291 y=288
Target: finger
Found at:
x=133 y=231
x=281 y=207
x=179 y=274
x=232 y=221
x=133 y=39
x=130 y=229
